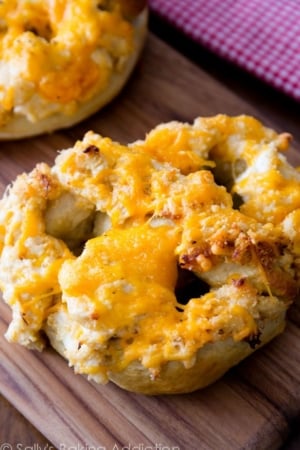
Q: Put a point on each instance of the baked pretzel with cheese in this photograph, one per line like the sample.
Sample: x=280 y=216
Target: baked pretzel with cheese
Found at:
x=62 y=61
x=140 y=267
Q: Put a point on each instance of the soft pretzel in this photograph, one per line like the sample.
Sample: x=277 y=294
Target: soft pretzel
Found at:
x=61 y=61
x=140 y=267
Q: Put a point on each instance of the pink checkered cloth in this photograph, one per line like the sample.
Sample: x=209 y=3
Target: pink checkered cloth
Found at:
x=260 y=36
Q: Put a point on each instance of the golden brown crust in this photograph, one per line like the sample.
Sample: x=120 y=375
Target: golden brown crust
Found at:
x=228 y=242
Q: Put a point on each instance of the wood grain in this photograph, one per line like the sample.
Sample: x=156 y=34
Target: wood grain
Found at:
x=15 y=429
x=253 y=407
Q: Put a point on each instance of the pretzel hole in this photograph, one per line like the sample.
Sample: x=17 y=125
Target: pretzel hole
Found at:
x=189 y=286
x=74 y=220
x=105 y=5
x=237 y=200
x=44 y=31
x=226 y=172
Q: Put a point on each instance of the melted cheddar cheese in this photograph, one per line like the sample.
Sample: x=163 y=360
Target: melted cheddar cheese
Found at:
x=93 y=248
x=55 y=54
x=126 y=300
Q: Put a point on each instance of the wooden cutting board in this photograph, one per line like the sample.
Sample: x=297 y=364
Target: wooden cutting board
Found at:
x=252 y=407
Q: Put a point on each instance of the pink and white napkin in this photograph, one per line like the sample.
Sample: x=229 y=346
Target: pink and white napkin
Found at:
x=260 y=36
